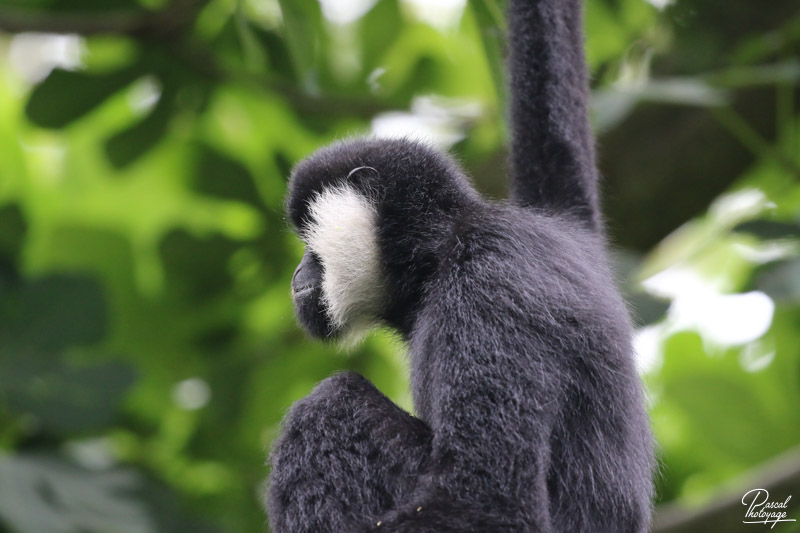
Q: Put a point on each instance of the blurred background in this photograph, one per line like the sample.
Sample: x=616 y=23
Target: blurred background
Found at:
x=148 y=348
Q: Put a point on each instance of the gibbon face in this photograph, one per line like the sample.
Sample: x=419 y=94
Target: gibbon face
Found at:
x=339 y=288
x=373 y=215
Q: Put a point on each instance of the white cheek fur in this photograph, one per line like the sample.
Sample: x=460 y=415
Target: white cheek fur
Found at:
x=343 y=236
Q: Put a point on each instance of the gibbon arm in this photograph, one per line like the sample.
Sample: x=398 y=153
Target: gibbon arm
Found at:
x=552 y=148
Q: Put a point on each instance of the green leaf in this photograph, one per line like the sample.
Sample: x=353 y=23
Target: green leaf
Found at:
x=303 y=28
x=126 y=146
x=48 y=495
x=38 y=321
x=12 y=230
x=51 y=314
x=197 y=268
x=644 y=308
x=217 y=174
x=739 y=435
x=254 y=56
x=606 y=36
x=277 y=52
x=379 y=29
x=781 y=280
x=65 y=96
x=64 y=397
x=769 y=229
x=491 y=22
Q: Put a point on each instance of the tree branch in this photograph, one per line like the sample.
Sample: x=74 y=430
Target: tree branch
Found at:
x=169 y=23
x=780 y=476
x=202 y=62
x=173 y=18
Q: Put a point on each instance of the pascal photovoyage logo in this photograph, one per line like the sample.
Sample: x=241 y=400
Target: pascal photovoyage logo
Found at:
x=760 y=510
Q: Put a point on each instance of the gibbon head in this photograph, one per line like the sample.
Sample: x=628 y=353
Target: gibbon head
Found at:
x=374 y=215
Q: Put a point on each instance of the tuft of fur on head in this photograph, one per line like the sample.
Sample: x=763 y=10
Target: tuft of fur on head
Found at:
x=342 y=233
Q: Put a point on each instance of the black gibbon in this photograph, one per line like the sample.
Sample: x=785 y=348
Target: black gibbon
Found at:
x=529 y=411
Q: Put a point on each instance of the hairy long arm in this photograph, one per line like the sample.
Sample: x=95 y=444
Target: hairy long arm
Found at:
x=489 y=396
x=346 y=453
x=552 y=148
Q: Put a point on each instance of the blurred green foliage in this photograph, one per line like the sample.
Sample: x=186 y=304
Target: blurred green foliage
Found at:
x=148 y=348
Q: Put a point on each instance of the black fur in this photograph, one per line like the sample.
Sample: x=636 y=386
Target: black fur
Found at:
x=552 y=148
x=530 y=412
x=521 y=370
